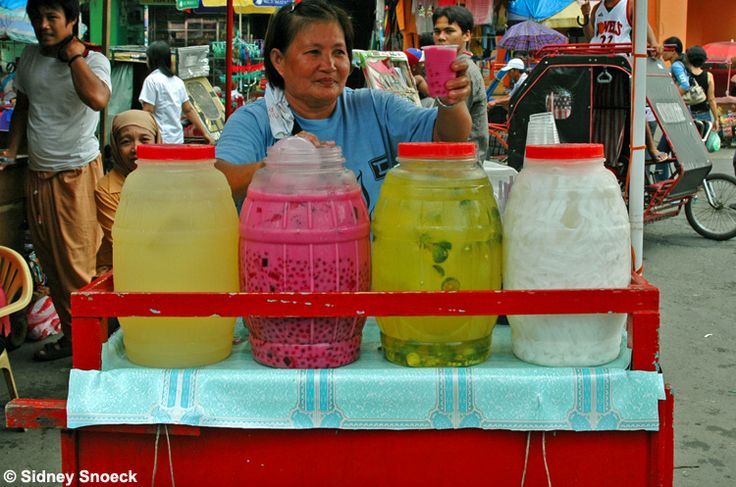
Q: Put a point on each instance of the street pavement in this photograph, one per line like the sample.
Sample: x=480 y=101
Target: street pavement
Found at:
x=697 y=280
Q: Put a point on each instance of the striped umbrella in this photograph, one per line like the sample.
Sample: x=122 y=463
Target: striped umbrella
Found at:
x=530 y=36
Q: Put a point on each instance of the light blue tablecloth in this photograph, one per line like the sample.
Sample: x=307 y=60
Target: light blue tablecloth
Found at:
x=503 y=393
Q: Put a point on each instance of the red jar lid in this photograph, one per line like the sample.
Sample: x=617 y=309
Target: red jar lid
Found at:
x=437 y=150
x=565 y=151
x=175 y=152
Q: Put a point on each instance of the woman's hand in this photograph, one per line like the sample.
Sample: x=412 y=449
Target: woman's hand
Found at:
x=458 y=88
x=314 y=140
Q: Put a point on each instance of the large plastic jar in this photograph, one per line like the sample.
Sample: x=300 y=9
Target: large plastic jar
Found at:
x=566 y=227
x=304 y=227
x=436 y=227
x=176 y=230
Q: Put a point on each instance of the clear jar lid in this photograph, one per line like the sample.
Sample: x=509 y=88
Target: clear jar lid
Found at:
x=299 y=151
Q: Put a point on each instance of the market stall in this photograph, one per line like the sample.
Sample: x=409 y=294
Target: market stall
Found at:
x=409 y=433
x=371 y=422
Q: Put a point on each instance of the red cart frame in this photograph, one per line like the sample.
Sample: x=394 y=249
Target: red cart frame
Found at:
x=202 y=456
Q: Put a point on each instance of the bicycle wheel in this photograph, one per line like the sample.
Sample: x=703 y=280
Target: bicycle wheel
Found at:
x=717 y=221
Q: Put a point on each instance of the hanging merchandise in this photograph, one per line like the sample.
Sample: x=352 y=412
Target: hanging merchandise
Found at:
x=482 y=11
x=248 y=68
x=392 y=38
x=423 y=14
x=377 y=36
x=388 y=71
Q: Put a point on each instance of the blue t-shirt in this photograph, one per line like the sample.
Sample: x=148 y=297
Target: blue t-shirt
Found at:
x=679 y=73
x=366 y=124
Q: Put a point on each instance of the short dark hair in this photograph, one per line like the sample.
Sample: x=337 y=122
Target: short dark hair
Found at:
x=159 y=57
x=455 y=13
x=426 y=39
x=290 y=19
x=696 y=56
x=69 y=7
x=674 y=41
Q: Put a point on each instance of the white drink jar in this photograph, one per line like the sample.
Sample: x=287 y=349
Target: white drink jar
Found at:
x=566 y=227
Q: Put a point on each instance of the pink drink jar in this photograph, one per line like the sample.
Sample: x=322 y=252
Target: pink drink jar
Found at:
x=304 y=227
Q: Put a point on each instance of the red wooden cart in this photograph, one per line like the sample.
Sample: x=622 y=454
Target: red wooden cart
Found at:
x=204 y=456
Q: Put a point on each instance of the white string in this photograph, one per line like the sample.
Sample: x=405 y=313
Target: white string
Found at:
x=155 y=455
x=171 y=460
x=526 y=457
x=544 y=456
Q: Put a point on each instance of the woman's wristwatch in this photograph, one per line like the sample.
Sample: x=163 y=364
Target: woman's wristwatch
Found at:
x=442 y=104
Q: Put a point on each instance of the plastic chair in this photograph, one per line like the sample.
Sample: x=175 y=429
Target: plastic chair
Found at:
x=16 y=281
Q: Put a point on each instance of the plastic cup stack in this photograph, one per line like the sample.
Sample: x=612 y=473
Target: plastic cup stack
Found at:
x=542 y=130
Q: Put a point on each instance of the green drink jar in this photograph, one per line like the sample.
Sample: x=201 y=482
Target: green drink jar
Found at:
x=436 y=227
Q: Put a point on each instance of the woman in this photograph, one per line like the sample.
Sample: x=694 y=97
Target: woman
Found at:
x=307 y=54
x=164 y=95
x=695 y=58
x=129 y=130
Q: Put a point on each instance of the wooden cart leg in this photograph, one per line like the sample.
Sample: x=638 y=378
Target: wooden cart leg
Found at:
x=70 y=454
x=87 y=339
x=662 y=446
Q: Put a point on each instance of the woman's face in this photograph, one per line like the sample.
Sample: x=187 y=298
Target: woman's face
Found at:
x=315 y=66
x=128 y=139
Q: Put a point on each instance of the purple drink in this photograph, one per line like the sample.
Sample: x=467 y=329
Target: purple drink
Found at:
x=316 y=242
x=437 y=62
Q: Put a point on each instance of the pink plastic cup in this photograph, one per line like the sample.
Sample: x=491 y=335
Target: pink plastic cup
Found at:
x=437 y=62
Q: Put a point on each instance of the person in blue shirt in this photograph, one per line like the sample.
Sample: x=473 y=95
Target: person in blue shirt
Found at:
x=677 y=65
x=307 y=54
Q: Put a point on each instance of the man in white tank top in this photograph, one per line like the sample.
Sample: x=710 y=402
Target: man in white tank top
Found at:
x=610 y=23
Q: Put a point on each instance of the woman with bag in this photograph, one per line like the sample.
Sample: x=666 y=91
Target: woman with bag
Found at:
x=706 y=110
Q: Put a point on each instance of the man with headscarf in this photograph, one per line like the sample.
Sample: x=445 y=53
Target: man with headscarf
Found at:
x=129 y=130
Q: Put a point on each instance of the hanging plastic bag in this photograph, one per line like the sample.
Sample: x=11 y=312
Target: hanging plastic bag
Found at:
x=43 y=321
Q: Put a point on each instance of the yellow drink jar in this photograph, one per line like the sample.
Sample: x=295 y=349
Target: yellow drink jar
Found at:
x=176 y=230
x=436 y=227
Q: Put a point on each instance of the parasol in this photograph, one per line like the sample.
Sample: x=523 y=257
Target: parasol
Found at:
x=530 y=36
x=537 y=9
x=723 y=52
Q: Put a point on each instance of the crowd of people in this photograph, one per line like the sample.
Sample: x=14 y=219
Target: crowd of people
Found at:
x=307 y=53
